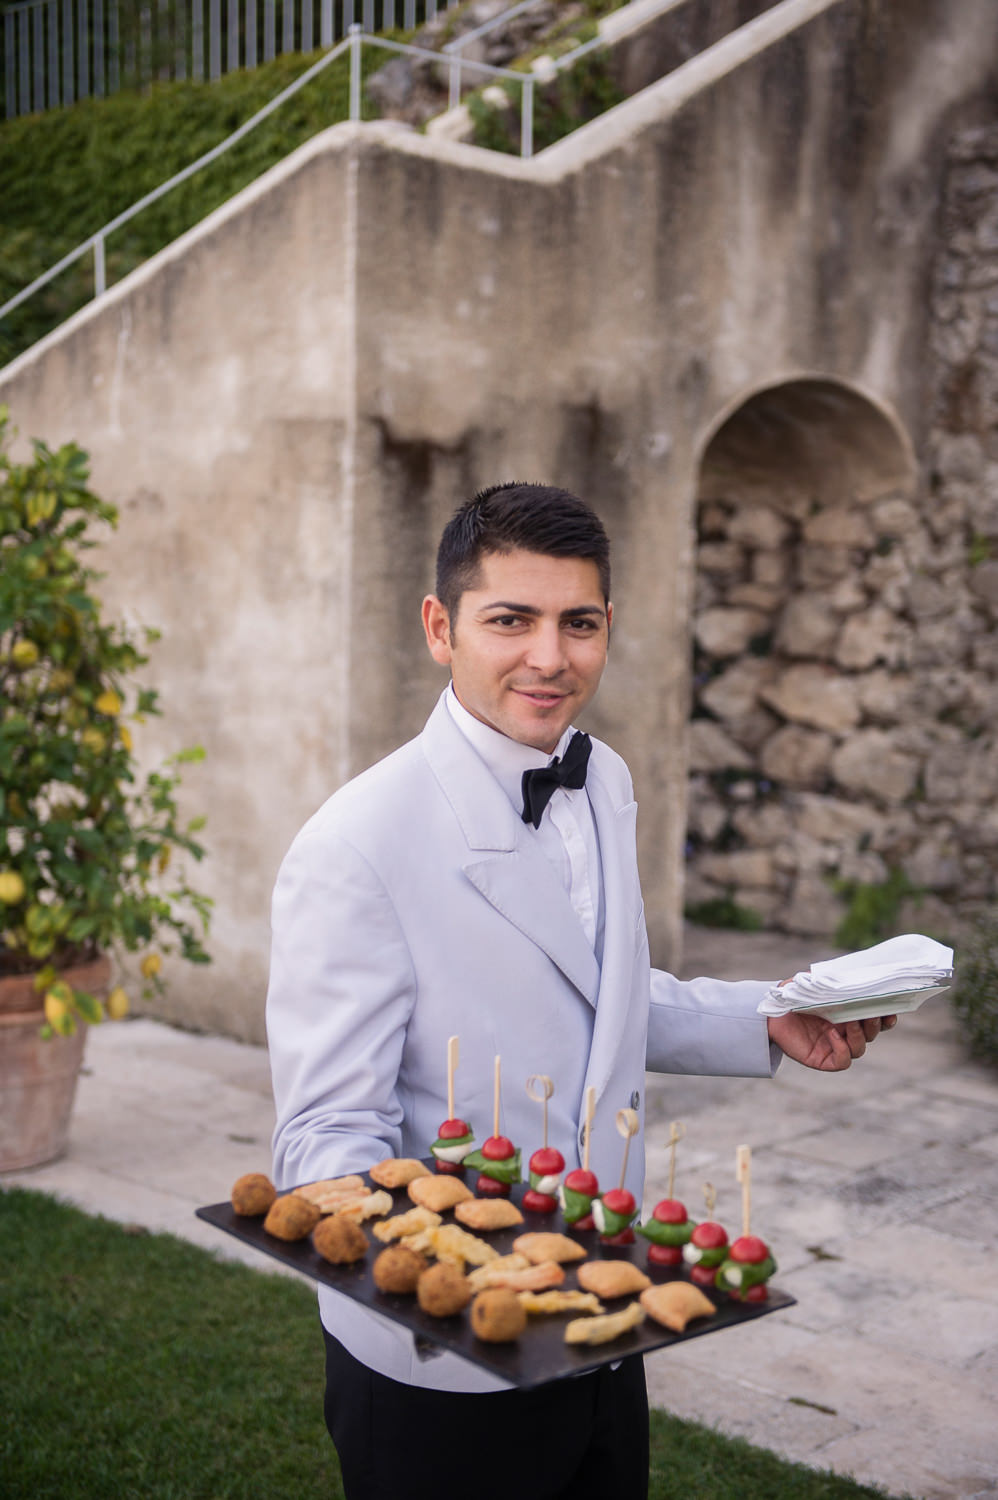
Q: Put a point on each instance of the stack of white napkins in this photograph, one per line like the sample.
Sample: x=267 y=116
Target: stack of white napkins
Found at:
x=902 y=965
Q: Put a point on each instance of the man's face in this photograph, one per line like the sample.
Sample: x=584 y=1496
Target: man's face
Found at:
x=529 y=645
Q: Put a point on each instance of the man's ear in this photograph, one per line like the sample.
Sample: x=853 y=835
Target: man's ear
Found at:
x=436 y=624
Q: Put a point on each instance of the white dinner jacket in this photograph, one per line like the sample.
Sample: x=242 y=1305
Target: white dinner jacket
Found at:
x=416 y=905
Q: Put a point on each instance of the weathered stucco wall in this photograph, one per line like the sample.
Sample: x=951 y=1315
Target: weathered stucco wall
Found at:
x=289 y=403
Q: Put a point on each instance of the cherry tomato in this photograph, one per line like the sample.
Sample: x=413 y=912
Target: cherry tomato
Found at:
x=758 y=1293
x=581 y=1181
x=670 y=1211
x=448 y=1168
x=665 y=1255
x=619 y=1201
x=703 y=1275
x=709 y=1236
x=749 y=1249
x=539 y=1203
x=546 y=1162
x=497 y=1148
x=586 y=1222
x=487 y=1187
x=452 y=1130
x=626 y=1237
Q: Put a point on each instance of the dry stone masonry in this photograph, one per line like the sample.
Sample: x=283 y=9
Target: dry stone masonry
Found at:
x=845 y=727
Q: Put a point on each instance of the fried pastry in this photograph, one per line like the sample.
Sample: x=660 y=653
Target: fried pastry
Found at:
x=676 y=1303
x=544 y=1245
x=350 y=1186
x=451 y=1242
x=605 y=1328
x=497 y=1317
x=400 y=1226
x=252 y=1194
x=530 y=1279
x=398 y=1171
x=398 y=1269
x=291 y=1218
x=438 y=1193
x=339 y=1240
x=497 y=1267
x=612 y=1278
x=443 y=1290
x=489 y=1213
x=370 y=1207
x=559 y=1301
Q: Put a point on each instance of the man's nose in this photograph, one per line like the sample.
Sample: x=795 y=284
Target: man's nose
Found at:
x=546 y=652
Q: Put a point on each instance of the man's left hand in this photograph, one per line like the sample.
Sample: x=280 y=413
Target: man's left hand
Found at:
x=819 y=1043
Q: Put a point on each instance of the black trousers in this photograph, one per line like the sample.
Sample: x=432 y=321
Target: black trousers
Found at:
x=580 y=1439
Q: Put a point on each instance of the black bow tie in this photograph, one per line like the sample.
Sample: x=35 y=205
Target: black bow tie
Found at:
x=540 y=784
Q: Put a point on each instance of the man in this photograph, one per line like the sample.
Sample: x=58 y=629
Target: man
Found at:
x=425 y=900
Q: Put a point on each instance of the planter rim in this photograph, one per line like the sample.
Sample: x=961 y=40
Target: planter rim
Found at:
x=20 y=1001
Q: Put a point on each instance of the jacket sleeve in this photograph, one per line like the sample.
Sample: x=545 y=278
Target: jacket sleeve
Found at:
x=709 y=1026
x=341 y=992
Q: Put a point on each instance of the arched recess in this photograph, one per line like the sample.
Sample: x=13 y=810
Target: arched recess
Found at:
x=811 y=535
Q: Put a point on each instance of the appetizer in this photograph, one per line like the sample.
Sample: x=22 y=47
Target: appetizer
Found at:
x=547 y=1164
x=539 y=1246
x=668 y=1229
x=576 y=1196
x=291 y=1218
x=676 y=1303
x=485 y=1214
x=604 y=1327
x=498 y=1161
x=252 y=1194
x=705 y=1250
x=398 y=1269
x=438 y=1193
x=746 y=1269
x=397 y=1171
x=613 y=1215
x=497 y=1317
x=612 y=1278
x=454 y=1140
x=443 y=1290
x=339 y=1240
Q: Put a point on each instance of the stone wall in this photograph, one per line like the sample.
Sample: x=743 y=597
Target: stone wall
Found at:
x=845 y=728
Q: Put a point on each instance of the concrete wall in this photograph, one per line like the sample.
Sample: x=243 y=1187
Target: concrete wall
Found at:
x=289 y=403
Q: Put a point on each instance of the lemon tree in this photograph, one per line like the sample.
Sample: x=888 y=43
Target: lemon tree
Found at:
x=86 y=841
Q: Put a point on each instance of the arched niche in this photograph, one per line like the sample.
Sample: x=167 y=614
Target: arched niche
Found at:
x=810 y=529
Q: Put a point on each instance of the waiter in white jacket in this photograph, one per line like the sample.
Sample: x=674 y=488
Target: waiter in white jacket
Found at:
x=428 y=898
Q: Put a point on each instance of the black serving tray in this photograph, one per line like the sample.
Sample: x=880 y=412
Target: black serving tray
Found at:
x=540 y=1354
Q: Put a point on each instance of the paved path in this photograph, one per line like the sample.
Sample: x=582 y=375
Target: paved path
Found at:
x=878 y=1190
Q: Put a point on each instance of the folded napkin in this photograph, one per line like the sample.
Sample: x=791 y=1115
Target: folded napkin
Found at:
x=911 y=962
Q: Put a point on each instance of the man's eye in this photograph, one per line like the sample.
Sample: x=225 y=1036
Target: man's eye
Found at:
x=583 y=625
x=505 y=620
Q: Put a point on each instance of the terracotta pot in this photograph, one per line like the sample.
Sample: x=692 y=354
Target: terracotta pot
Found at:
x=38 y=1078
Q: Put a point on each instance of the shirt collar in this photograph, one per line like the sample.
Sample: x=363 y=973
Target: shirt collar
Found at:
x=507 y=759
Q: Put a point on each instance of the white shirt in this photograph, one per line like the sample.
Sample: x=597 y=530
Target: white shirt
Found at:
x=567 y=833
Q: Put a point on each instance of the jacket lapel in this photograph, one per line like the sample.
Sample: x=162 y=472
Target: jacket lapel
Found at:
x=513 y=876
x=615 y=828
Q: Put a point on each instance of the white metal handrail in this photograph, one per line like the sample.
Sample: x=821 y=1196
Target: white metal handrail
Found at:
x=355 y=41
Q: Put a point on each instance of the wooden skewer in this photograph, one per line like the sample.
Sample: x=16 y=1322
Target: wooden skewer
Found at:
x=590 y=1111
x=709 y=1198
x=627 y=1126
x=453 y=1053
x=496 y=1097
x=542 y=1082
x=743 y=1172
x=676 y=1133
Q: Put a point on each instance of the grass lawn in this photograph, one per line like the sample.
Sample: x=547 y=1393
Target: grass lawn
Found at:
x=137 y=1365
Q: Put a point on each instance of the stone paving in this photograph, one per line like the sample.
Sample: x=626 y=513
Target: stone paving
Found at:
x=877 y=1189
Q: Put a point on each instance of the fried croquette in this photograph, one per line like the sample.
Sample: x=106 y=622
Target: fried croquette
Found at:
x=485 y=1214
x=339 y=1240
x=253 y=1194
x=291 y=1218
x=397 y=1171
x=438 y=1193
x=443 y=1290
x=497 y=1317
x=612 y=1278
x=398 y=1269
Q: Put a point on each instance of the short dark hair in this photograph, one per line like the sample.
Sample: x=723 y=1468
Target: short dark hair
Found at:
x=511 y=516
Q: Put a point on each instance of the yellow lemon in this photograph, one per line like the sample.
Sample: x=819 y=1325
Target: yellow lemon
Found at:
x=125 y=736
x=117 y=1003
x=163 y=858
x=92 y=739
x=24 y=654
x=12 y=887
x=56 y=1007
x=108 y=703
x=151 y=965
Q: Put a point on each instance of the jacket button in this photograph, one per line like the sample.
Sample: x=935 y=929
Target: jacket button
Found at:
x=635 y=1099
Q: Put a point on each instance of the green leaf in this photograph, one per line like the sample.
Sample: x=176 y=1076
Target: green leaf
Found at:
x=88 y=1006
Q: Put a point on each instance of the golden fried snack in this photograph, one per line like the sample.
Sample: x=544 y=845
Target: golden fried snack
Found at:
x=601 y=1330
x=291 y=1218
x=501 y=1264
x=559 y=1301
x=497 y=1317
x=451 y=1242
x=530 y=1279
x=676 y=1303
x=397 y=1171
x=339 y=1240
x=397 y=1269
x=488 y=1213
x=612 y=1278
x=543 y=1245
x=349 y=1186
x=370 y=1207
x=442 y=1290
x=252 y=1194
x=399 y=1226
x=438 y=1193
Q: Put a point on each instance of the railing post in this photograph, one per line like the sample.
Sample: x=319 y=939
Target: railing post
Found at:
x=100 y=270
x=356 y=35
x=527 y=117
x=454 y=98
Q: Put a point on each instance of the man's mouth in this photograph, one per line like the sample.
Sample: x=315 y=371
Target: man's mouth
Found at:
x=540 y=695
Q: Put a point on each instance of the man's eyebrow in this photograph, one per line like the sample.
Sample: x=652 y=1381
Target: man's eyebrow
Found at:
x=576 y=611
